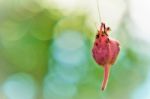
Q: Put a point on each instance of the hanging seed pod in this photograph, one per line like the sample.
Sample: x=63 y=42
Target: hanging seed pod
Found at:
x=105 y=51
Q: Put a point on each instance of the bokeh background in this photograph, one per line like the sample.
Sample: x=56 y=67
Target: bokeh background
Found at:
x=45 y=49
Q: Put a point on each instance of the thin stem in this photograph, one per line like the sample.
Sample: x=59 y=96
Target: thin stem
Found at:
x=106 y=76
x=100 y=17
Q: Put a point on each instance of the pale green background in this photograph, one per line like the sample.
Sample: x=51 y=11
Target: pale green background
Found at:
x=45 y=49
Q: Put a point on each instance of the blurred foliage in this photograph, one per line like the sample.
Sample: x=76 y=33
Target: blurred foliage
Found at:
x=28 y=31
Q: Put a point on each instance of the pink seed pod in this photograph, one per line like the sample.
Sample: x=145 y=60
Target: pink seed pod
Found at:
x=105 y=51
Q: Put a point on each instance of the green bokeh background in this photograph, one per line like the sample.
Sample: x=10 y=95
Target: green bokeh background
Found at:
x=38 y=46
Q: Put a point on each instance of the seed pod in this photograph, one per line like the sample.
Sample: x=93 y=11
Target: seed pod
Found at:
x=105 y=52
